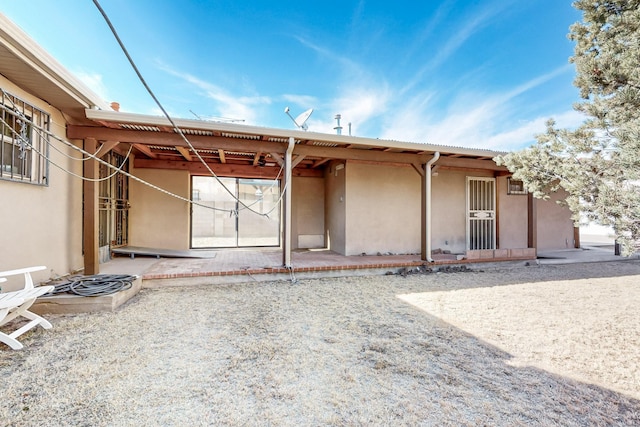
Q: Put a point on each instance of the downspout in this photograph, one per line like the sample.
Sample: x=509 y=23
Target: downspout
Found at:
x=286 y=244
x=427 y=177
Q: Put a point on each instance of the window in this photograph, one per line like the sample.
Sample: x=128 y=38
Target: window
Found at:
x=24 y=145
x=515 y=187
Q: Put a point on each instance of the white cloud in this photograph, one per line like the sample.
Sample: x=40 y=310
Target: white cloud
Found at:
x=517 y=137
x=347 y=63
x=478 y=19
x=480 y=127
x=95 y=83
x=523 y=135
x=303 y=101
x=481 y=120
x=227 y=105
x=358 y=106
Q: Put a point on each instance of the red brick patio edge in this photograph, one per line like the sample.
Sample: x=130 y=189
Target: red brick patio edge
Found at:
x=282 y=270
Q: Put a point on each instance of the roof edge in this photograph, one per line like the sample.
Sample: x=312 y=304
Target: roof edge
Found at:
x=141 y=119
x=42 y=62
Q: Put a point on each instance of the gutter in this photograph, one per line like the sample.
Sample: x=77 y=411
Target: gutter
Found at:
x=286 y=244
x=427 y=172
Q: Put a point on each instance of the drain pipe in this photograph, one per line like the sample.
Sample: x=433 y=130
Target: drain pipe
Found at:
x=427 y=177
x=286 y=244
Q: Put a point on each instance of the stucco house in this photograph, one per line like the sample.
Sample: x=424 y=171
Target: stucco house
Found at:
x=226 y=185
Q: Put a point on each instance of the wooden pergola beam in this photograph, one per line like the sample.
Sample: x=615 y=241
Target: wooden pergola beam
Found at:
x=297 y=161
x=227 y=169
x=357 y=154
x=256 y=158
x=105 y=147
x=418 y=168
x=320 y=162
x=451 y=161
x=278 y=158
x=146 y=150
x=184 y=152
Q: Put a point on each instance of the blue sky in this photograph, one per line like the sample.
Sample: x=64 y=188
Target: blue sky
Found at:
x=483 y=73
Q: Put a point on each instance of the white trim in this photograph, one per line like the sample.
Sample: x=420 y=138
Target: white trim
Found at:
x=33 y=55
x=140 y=119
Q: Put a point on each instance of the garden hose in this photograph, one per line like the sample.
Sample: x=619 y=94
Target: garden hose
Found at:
x=93 y=286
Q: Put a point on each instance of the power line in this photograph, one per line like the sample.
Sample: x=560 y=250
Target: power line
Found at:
x=159 y=104
x=107 y=164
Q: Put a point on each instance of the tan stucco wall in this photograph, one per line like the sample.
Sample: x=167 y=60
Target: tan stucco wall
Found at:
x=449 y=211
x=383 y=209
x=512 y=218
x=307 y=212
x=161 y=221
x=158 y=220
x=335 y=207
x=555 y=227
x=43 y=225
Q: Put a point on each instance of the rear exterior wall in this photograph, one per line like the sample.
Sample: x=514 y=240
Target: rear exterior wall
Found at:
x=158 y=220
x=336 y=207
x=42 y=225
x=512 y=217
x=555 y=226
x=383 y=206
x=448 y=210
x=307 y=210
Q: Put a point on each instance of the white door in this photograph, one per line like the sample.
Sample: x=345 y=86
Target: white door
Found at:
x=481 y=213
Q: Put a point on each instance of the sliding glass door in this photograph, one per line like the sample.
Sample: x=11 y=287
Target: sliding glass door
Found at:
x=234 y=212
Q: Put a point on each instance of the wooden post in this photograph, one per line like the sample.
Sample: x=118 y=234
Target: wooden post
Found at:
x=532 y=221
x=90 y=210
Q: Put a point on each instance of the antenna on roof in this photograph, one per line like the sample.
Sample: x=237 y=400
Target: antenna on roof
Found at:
x=216 y=119
x=301 y=120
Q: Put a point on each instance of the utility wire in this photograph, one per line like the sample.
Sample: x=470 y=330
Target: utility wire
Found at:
x=159 y=104
x=109 y=165
x=88 y=155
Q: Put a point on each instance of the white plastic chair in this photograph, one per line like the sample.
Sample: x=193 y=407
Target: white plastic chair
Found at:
x=17 y=303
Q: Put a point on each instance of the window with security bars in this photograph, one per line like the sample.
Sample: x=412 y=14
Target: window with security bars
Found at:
x=515 y=187
x=24 y=141
x=114 y=202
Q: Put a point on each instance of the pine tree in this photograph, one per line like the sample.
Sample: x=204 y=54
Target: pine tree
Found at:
x=597 y=164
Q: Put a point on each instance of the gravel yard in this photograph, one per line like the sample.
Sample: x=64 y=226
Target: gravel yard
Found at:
x=542 y=345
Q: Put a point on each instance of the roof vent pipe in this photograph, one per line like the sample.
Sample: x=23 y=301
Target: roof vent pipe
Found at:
x=338 y=128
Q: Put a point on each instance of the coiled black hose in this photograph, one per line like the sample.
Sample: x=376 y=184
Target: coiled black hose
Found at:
x=93 y=286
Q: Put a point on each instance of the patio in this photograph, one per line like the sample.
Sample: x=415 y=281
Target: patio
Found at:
x=220 y=267
x=236 y=265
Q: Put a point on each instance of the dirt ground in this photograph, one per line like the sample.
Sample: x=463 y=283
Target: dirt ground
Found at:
x=540 y=345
